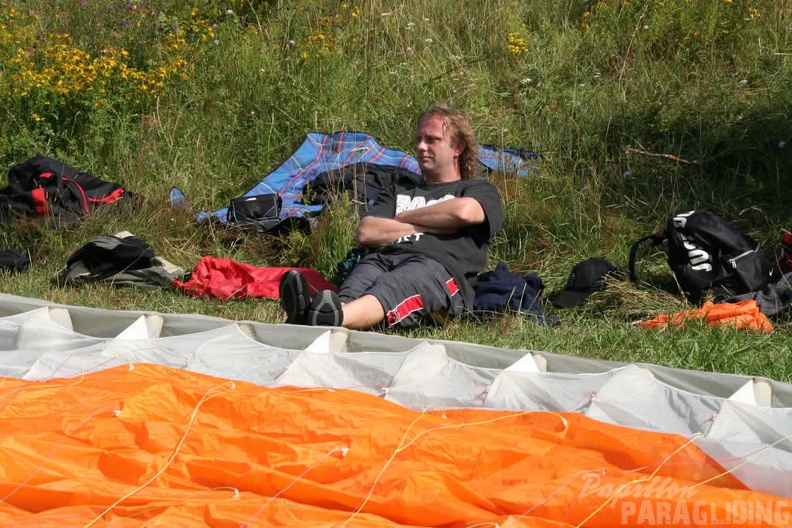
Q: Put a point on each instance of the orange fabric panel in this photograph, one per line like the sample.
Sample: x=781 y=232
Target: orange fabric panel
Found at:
x=153 y=445
x=743 y=315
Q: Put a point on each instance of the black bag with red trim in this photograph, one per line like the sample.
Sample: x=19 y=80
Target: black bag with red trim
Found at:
x=43 y=186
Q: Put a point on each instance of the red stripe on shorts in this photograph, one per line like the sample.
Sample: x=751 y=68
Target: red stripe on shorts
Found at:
x=405 y=308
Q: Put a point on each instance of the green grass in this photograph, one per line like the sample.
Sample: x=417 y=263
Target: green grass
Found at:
x=211 y=101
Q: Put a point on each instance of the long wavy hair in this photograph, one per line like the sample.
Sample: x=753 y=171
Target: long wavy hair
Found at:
x=461 y=132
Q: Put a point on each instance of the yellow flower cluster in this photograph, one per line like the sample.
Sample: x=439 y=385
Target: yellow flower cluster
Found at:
x=753 y=13
x=354 y=11
x=50 y=69
x=589 y=17
x=318 y=42
x=516 y=45
x=321 y=41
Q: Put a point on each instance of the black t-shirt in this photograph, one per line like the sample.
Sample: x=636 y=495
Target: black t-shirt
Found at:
x=464 y=253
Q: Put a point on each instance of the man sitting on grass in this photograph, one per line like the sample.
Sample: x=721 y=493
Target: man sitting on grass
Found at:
x=430 y=240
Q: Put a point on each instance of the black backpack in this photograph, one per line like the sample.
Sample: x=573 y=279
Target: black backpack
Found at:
x=362 y=182
x=709 y=256
x=43 y=186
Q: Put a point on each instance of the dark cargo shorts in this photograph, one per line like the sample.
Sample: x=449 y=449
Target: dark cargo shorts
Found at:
x=408 y=286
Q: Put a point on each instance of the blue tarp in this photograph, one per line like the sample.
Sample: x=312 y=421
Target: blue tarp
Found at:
x=320 y=153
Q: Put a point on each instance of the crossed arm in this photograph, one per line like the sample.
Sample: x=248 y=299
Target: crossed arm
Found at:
x=441 y=218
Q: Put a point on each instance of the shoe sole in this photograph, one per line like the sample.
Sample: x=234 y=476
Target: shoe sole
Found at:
x=325 y=310
x=294 y=297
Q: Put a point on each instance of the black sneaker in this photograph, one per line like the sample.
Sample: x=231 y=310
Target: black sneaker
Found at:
x=294 y=296
x=325 y=310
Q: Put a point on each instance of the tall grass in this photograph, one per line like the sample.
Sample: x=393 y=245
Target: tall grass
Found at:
x=210 y=96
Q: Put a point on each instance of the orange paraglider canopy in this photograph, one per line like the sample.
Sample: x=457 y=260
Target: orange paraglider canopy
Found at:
x=152 y=445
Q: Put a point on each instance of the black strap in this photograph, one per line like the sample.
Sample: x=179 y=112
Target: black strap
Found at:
x=656 y=239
